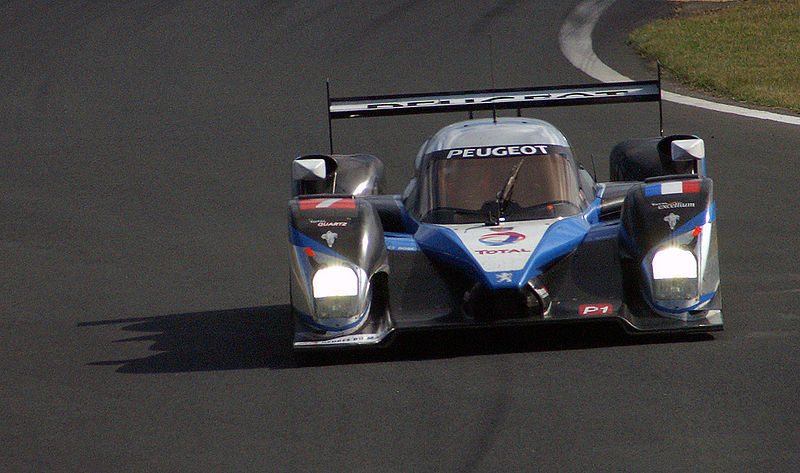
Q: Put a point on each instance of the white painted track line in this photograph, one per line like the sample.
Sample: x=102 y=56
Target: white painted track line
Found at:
x=575 y=41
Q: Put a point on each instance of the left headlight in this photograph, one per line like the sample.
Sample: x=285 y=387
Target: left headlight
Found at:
x=335 y=281
x=674 y=274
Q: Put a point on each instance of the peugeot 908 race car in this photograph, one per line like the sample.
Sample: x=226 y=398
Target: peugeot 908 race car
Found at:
x=501 y=226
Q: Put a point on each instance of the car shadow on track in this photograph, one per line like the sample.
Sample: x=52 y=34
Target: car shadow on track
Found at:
x=260 y=337
x=255 y=337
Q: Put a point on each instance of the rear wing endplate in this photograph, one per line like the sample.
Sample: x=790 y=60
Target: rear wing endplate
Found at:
x=492 y=99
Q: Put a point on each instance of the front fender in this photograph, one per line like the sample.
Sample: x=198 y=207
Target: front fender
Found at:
x=336 y=249
x=669 y=231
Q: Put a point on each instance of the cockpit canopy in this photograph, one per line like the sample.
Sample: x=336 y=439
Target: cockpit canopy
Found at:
x=493 y=183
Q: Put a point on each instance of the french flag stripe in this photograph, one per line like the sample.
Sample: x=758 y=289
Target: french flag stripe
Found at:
x=665 y=188
x=690 y=187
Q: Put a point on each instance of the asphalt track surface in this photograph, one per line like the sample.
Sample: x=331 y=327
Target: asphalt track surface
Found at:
x=145 y=150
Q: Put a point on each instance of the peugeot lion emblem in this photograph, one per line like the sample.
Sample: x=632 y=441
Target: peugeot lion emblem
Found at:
x=329 y=238
x=672 y=220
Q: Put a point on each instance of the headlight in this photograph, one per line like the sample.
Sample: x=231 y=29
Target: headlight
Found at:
x=674 y=274
x=335 y=281
x=672 y=263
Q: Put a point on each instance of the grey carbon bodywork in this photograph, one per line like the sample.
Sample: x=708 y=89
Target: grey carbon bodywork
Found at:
x=336 y=232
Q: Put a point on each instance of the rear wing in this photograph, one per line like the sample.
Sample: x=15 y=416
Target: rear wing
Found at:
x=492 y=99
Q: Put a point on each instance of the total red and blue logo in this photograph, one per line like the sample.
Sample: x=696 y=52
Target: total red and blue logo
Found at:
x=501 y=238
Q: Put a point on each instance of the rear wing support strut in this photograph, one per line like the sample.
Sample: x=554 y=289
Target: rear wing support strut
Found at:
x=660 y=108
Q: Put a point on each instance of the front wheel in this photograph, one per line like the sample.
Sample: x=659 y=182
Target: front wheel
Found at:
x=642 y=158
x=635 y=160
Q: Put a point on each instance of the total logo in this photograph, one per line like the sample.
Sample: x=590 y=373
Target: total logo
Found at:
x=501 y=238
x=502 y=252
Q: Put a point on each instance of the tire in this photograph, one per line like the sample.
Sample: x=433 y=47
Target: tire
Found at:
x=635 y=160
x=641 y=158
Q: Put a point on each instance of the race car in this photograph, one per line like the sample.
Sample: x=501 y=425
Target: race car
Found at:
x=501 y=226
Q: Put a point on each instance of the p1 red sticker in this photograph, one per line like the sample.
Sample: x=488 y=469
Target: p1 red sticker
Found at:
x=596 y=309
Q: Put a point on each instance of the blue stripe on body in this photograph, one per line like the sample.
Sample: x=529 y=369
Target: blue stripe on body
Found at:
x=302 y=240
x=707 y=216
x=703 y=299
x=315 y=324
x=400 y=242
x=444 y=243
x=559 y=240
x=592 y=213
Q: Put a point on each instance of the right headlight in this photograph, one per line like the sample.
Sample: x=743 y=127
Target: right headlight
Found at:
x=335 y=281
x=338 y=293
x=674 y=274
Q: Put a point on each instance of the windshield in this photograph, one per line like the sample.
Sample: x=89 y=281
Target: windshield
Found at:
x=468 y=185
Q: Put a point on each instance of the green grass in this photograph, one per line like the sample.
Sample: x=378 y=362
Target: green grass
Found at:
x=749 y=51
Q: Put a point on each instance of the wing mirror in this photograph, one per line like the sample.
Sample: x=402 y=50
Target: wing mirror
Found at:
x=314 y=174
x=683 y=154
